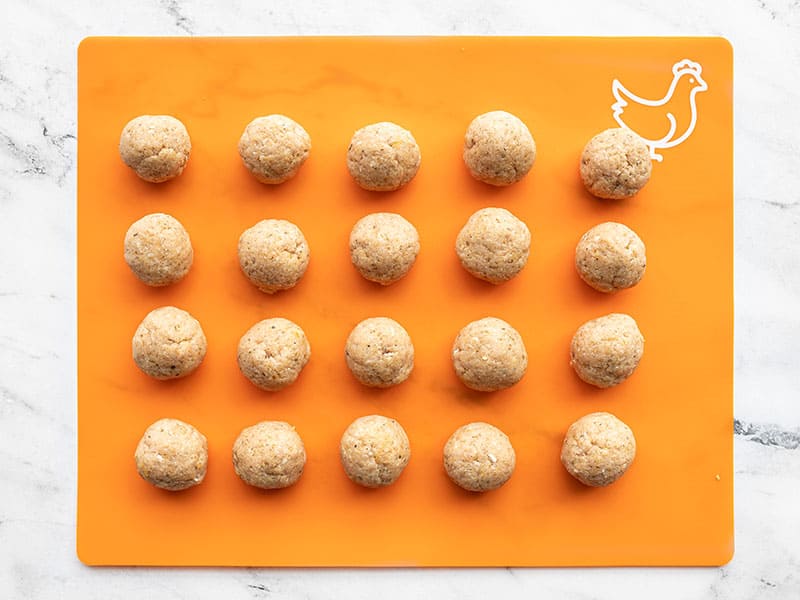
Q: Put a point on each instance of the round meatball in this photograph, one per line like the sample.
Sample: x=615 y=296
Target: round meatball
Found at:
x=383 y=247
x=272 y=353
x=610 y=257
x=615 y=164
x=273 y=255
x=489 y=355
x=383 y=157
x=598 y=449
x=498 y=148
x=156 y=147
x=269 y=455
x=273 y=148
x=479 y=457
x=374 y=451
x=172 y=455
x=379 y=352
x=169 y=343
x=494 y=245
x=606 y=351
x=158 y=249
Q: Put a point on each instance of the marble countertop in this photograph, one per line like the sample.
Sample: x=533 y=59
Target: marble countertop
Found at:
x=37 y=292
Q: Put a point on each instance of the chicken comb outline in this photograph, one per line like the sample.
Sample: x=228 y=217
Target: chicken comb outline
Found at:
x=680 y=69
x=686 y=65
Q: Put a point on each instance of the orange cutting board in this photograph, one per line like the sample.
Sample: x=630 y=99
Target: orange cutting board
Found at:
x=674 y=505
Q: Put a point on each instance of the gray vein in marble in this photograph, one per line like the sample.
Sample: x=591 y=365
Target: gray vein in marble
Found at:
x=768 y=435
x=770 y=11
x=782 y=205
x=64 y=145
x=11 y=397
x=259 y=587
x=10 y=343
x=175 y=10
x=28 y=156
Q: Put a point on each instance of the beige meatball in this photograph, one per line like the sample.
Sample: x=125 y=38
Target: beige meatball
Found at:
x=383 y=247
x=606 y=351
x=272 y=353
x=598 y=449
x=273 y=148
x=158 y=249
x=172 y=455
x=479 y=457
x=269 y=455
x=498 y=148
x=494 y=245
x=615 y=164
x=273 y=255
x=383 y=157
x=156 y=147
x=610 y=257
x=379 y=352
x=169 y=343
x=374 y=451
x=489 y=355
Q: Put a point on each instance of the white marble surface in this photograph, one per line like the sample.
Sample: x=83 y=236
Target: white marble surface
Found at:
x=37 y=292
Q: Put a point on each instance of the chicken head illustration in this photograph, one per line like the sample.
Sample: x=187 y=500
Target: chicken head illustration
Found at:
x=668 y=121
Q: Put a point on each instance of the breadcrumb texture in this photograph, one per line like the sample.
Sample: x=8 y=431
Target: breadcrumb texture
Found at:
x=272 y=353
x=379 y=352
x=269 y=455
x=489 y=355
x=169 y=343
x=273 y=148
x=598 y=448
x=498 y=148
x=156 y=147
x=383 y=157
x=606 y=351
x=615 y=164
x=374 y=450
x=158 y=249
x=494 y=245
x=273 y=255
x=172 y=455
x=610 y=257
x=479 y=457
x=383 y=247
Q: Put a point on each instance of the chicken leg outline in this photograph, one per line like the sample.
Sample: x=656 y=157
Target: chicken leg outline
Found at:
x=681 y=69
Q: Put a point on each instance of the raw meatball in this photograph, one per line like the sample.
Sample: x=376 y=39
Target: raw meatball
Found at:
x=374 y=451
x=383 y=157
x=272 y=353
x=169 y=343
x=273 y=254
x=383 y=247
x=379 y=352
x=610 y=257
x=273 y=148
x=598 y=449
x=498 y=148
x=606 y=351
x=156 y=147
x=615 y=164
x=479 y=457
x=494 y=245
x=172 y=455
x=489 y=355
x=158 y=249
x=269 y=455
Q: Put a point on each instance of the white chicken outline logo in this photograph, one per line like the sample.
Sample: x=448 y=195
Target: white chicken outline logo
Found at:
x=682 y=68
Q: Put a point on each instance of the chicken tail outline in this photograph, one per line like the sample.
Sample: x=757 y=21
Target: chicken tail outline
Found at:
x=682 y=68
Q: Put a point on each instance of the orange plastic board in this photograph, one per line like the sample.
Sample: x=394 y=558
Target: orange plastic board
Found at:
x=674 y=505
